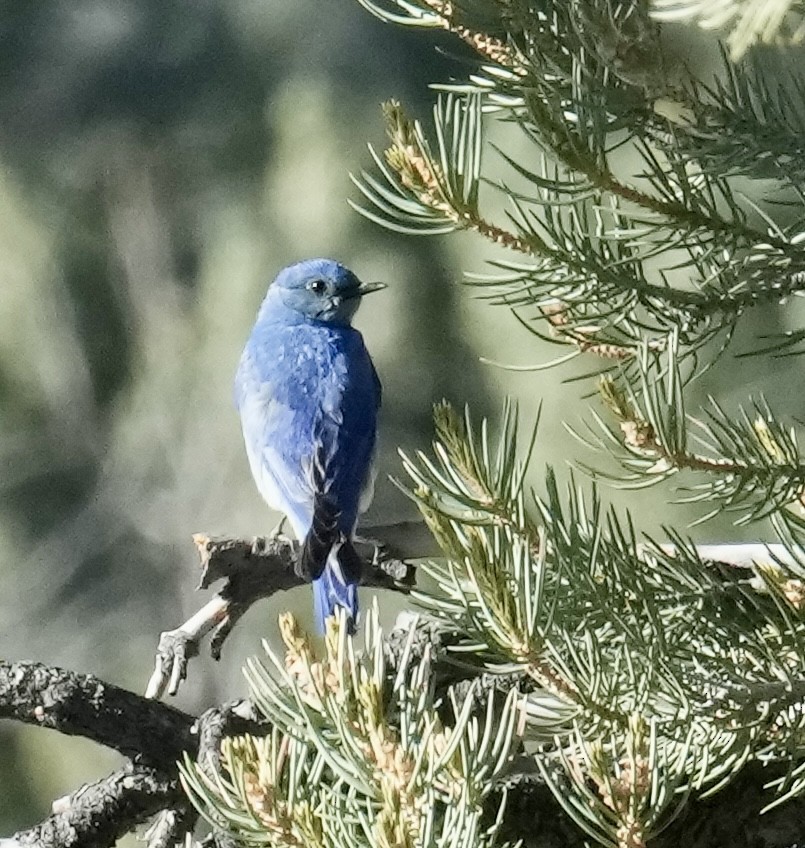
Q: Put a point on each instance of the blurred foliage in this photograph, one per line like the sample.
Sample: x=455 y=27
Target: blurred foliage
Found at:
x=747 y=22
x=160 y=163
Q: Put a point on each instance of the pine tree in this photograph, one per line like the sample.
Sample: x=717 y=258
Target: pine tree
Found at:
x=556 y=646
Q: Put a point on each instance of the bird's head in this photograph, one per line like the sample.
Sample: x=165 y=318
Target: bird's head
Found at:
x=320 y=289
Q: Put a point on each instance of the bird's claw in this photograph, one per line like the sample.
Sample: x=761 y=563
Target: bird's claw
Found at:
x=379 y=551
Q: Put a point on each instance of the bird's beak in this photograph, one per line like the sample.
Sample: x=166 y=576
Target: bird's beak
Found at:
x=368 y=288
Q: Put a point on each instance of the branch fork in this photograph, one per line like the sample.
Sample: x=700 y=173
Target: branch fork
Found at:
x=253 y=569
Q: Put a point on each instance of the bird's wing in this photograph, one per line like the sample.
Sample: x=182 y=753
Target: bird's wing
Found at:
x=351 y=443
x=368 y=487
x=268 y=426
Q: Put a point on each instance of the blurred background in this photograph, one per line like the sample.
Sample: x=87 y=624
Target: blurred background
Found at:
x=160 y=161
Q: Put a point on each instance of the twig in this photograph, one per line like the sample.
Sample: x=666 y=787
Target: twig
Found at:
x=82 y=705
x=97 y=815
x=170 y=827
x=741 y=554
x=261 y=567
x=154 y=735
x=738 y=561
x=233 y=719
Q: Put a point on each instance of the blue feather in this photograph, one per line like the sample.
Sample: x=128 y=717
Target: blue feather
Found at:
x=331 y=591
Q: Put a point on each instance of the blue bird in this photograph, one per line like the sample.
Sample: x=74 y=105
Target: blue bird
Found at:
x=308 y=396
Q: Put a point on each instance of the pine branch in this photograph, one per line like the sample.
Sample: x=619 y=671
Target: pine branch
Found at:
x=444 y=14
x=745 y=123
x=151 y=732
x=584 y=72
x=694 y=215
x=751 y=462
x=612 y=631
x=152 y=735
x=354 y=753
x=587 y=244
x=267 y=775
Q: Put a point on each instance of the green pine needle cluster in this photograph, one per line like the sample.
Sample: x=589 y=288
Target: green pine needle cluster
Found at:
x=357 y=754
x=606 y=260
x=641 y=664
x=748 y=464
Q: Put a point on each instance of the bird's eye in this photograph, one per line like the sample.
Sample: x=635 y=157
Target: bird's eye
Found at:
x=317 y=286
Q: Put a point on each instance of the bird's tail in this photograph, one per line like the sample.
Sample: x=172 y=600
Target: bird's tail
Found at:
x=337 y=586
x=330 y=560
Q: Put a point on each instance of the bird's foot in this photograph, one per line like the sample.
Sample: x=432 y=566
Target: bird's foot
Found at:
x=377 y=553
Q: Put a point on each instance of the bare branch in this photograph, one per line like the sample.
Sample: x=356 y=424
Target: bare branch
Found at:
x=170 y=827
x=82 y=705
x=97 y=815
x=259 y=568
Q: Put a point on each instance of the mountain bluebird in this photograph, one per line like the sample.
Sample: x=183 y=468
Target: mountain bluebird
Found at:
x=308 y=397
